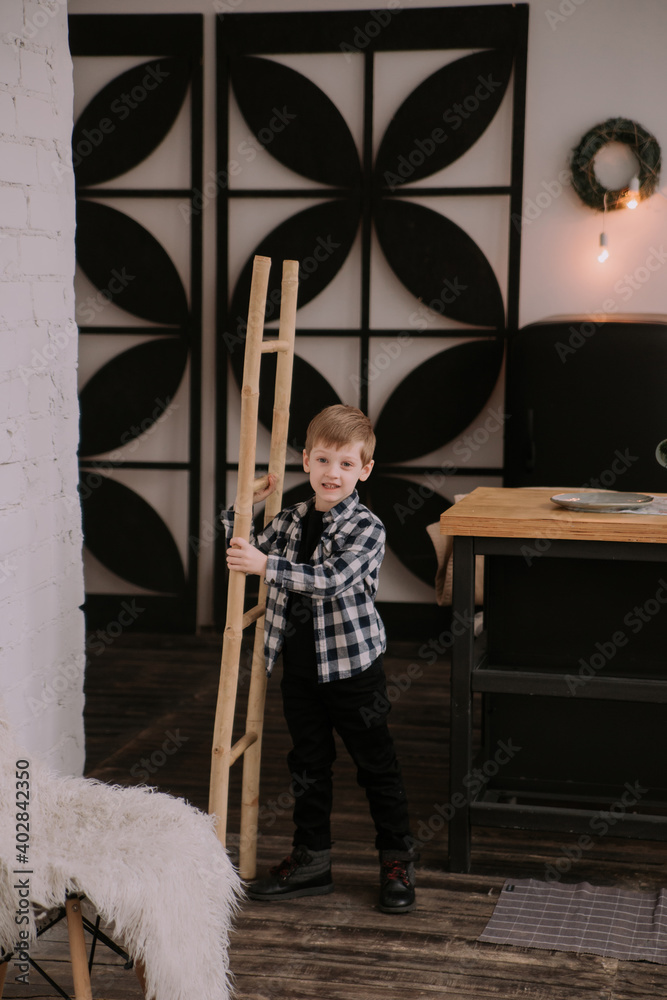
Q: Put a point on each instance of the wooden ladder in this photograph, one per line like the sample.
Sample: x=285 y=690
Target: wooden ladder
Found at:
x=250 y=744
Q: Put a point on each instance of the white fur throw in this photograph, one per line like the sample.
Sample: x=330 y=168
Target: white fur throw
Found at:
x=149 y=864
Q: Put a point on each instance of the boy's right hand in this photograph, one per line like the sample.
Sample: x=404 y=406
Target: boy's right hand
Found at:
x=264 y=487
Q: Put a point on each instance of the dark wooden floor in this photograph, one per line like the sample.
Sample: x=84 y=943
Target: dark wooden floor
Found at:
x=147 y=695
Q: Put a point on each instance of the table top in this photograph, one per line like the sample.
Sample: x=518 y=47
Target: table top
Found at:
x=501 y=512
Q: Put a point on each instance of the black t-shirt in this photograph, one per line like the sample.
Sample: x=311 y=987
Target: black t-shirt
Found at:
x=299 y=646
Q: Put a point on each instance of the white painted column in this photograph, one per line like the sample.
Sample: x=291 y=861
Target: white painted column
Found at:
x=41 y=574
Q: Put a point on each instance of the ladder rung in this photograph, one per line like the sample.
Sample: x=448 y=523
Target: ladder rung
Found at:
x=241 y=746
x=273 y=346
x=252 y=615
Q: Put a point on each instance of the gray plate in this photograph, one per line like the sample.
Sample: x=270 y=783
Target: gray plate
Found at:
x=605 y=502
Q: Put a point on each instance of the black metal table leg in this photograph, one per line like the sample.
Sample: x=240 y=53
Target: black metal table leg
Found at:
x=463 y=631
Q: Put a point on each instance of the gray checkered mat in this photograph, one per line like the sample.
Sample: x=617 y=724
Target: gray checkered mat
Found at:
x=601 y=921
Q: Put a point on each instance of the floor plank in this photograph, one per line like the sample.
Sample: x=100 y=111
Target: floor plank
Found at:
x=145 y=690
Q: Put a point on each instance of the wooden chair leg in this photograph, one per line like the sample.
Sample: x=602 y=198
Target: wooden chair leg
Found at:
x=141 y=976
x=77 y=950
x=3 y=975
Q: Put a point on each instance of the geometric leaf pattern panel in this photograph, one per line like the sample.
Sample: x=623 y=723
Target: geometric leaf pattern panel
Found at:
x=140 y=323
x=384 y=150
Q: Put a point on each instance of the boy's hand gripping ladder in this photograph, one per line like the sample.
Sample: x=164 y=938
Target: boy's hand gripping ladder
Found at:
x=250 y=744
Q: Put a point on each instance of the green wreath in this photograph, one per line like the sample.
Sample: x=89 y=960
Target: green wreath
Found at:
x=644 y=146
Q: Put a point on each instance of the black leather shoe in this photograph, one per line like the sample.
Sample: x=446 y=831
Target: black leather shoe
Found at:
x=397 y=885
x=292 y=878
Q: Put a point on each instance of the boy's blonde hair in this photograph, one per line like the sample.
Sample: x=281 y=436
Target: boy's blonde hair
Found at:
x=339 y=425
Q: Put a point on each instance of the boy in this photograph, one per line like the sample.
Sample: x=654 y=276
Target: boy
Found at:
x=320 y=560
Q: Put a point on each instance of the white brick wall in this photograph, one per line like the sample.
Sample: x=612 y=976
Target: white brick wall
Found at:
x=41 y=575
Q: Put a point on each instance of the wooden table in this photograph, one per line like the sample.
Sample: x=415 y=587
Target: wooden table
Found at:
x=613 y=670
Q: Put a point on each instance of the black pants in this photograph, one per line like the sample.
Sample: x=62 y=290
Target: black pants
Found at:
x=357 y=708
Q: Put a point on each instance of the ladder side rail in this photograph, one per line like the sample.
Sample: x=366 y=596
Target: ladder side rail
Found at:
x=233 y=634
x=258 y=679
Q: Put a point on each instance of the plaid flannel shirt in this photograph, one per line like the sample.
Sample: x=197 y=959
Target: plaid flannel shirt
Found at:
x=340 y=579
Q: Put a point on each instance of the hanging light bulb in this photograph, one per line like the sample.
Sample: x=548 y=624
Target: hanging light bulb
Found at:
x=632 y=197
x=604 y=253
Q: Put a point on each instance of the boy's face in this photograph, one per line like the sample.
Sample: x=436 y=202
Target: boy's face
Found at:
x=334 y=472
